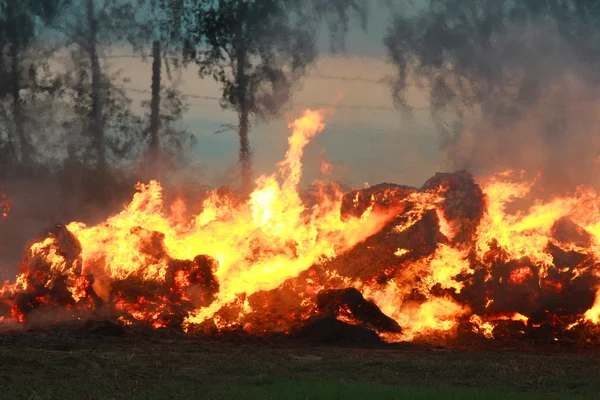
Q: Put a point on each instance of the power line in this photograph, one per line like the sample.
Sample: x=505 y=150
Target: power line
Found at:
x=195 y=96
x=382 y=81
x=307 y=105
x=318 y=75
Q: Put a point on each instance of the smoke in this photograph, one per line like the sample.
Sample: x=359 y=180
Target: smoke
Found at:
x=510 y=87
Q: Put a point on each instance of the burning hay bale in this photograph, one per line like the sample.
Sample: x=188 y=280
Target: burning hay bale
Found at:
x=448 y=259
x=162 y=303
x=330 y=330
x=380 y=256
x=384 y=195
x=525 y=297
x=463 y=205
x=51 y=276
x=448 y=207
x=194 y=281
x=350 y=304
x=53 y=254
x=566 y=232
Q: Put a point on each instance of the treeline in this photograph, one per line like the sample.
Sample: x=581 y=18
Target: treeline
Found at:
x=64 y=110
x=511 y=84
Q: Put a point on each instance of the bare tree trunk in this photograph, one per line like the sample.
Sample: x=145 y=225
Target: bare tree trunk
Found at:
x=97 y=113
x=245 y=156
x=15 y=85
x=154 y=146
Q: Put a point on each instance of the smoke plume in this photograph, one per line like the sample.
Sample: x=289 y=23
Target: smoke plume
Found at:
x=510 y=86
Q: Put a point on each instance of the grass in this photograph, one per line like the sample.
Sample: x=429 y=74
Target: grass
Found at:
x=317 y=390
x=141 y=368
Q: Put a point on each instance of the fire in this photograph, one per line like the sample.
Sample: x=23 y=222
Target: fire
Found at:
x=480 y=327
x=5 y=204
x=519 y=275
x=326 y=167
x=450 y=259
x=445 y=227
x=253 y=246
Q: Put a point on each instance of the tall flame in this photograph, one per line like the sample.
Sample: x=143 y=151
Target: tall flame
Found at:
x=258 y=245
x=447 y=259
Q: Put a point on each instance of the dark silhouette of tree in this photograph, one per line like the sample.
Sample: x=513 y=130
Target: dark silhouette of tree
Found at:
x=19 y=26
x=97 y=90
x=93 y=28
x=154 y=144
x=257 y=50
x=162 y=27
x=122 y=129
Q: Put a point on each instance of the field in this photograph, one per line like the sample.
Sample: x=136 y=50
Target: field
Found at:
x=66 y=365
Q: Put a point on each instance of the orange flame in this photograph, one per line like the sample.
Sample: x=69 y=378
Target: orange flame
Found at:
x=5 y=204
x=257 y=245
x=508 y=269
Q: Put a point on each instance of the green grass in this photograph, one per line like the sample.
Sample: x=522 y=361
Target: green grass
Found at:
x=139 y=368
x=272 y=390
x=322 y=390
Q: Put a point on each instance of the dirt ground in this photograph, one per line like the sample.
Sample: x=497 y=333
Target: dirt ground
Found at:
x=75 y=365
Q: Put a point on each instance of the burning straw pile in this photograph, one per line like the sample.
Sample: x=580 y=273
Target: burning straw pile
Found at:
x=443 y=261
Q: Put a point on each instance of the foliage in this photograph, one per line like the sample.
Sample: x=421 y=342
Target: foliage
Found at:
x=114 y=20
x=20 y=24
x=258 y=51
x=490 y=53
x=123 y=128
x=273 y=41
x=176 y=140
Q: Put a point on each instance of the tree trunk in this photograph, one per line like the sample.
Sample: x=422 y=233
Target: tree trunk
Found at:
x=245 y=156
x=19 y=118
x=15 y=84
x=97 y=113
x=154 y=145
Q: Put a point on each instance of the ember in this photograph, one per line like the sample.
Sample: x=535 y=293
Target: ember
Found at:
x=442 y=261
x=5 y=204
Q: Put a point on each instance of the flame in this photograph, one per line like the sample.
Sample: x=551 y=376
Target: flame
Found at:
x=593 y=314
x=257 y=245
x=485 y=328
x=519 y=275
x=446 y=228
x=5 y=204
x=326 y=167
x=436 y=314
x=454 y=257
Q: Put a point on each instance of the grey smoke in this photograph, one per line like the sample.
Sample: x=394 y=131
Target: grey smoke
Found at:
x=511 y=87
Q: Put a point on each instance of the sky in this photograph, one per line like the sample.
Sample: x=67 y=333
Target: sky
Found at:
x=366 y=139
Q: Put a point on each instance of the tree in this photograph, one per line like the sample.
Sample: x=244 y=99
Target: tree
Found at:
x=97 y=89
x=103 y=22
x=501 y=76
x=257 y=50
x=19 y=27
x=163 y=22
x=122 y=129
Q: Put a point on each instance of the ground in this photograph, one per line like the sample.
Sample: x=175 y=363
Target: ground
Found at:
x=59 y=365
